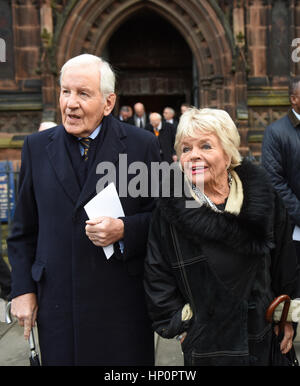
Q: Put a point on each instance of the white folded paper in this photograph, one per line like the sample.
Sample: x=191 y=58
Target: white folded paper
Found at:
x=105 y=203
x=296 y=233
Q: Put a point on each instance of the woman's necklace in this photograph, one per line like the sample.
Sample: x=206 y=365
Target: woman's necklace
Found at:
x=204 y=200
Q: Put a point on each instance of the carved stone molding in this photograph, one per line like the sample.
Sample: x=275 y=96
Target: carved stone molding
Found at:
x=20 y=122
x=90 y=24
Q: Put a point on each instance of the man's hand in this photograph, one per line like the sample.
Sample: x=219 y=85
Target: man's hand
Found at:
x=25 y=308
x=104 y=231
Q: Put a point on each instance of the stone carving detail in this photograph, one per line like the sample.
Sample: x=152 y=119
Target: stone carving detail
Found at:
x=261 y=117
x=20 y=122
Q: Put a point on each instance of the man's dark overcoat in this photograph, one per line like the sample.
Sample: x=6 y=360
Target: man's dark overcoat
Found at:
x=91 y=310
x=166 y=140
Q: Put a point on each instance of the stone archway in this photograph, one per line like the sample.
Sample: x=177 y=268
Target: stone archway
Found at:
x=91 y=23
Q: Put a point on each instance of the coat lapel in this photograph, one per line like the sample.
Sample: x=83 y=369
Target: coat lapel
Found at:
x=62 y=165
x=109 y=151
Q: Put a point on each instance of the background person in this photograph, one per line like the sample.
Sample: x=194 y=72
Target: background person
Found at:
x=46 y=125
x=213 y=268
x=184 y=107
x=124 y=115
x=165 y=132
x=90 y=310
x=281 y=158
x=169 y=116
x=140 y=117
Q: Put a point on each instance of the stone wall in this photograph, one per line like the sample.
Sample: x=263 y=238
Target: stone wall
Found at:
x=241 y=50
x=20 y=91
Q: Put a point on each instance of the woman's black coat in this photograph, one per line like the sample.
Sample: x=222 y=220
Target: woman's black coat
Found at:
x=227 y=267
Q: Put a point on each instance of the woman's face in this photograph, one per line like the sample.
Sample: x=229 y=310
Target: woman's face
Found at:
x=204 y=160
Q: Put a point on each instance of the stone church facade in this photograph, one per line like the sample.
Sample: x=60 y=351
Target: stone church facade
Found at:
x=236 y=55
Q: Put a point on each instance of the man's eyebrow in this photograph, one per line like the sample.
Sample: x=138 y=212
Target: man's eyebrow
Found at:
x=81 y=88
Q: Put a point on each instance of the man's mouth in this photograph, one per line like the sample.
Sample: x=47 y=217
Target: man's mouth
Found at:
x=73 y=117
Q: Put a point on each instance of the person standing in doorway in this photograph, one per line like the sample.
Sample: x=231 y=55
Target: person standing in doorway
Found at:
x=165 y=132
x=140 y=117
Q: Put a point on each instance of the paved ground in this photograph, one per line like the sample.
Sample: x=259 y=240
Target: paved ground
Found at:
x=14 y=350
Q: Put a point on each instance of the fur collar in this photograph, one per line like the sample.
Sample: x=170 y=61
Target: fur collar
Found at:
x=248 y=232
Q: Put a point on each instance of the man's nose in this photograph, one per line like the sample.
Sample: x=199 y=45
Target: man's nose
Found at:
x=72 y=102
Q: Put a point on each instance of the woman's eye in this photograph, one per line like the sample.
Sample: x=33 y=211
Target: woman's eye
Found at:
x=206 y=146
x=185 y=149
x=65 y=92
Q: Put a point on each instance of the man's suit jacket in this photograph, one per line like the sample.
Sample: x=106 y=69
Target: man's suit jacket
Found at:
x=91 y=310
x=175 y=123
x=130 y=121
x=166 y=140
x=136 y=120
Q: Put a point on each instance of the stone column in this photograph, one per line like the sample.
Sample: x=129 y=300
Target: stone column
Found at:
x=48 y=66
x=240 y=73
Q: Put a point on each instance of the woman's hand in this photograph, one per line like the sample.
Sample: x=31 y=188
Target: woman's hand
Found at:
x=181 y=337
x=287 y=341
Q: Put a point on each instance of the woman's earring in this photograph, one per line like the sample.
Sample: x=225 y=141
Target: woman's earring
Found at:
x=229 y=178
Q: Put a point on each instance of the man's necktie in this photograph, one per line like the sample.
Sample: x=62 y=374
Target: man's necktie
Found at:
x=141 y=123
x=85 y=143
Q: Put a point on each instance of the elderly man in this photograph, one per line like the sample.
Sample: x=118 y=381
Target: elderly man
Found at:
x=46 y=125
x=90 y=310
x=140 y=117
x=124 y=115
x=166 y=136
x=169 y=116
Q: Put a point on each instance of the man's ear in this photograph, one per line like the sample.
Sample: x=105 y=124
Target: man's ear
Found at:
x=293 y=100
x=109 y=104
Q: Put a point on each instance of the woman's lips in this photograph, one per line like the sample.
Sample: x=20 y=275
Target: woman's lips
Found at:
x=198 y=169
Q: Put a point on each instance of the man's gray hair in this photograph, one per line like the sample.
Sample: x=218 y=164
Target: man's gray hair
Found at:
x=170 y=109
x=107 y=76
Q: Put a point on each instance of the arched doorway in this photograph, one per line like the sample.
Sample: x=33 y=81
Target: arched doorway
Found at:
x=153 y=62
x=89 y=26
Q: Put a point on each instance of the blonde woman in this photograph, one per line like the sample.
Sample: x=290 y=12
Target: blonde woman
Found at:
x=213 y=268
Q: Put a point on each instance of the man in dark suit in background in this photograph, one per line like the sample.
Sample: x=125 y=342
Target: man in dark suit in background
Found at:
x=165 y=132
x=281 y=158
x=140 y=117
x=124 y=115
x=90 y=310
x=169 y=116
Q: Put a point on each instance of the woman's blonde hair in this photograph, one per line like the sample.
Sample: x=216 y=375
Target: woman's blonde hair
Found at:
x=213 y=121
